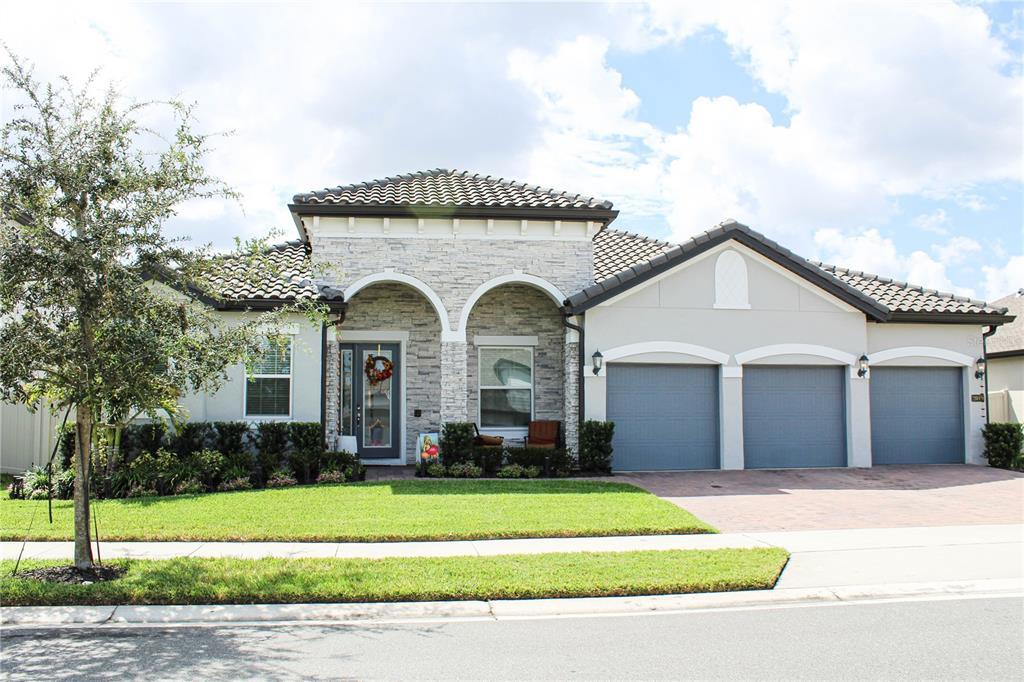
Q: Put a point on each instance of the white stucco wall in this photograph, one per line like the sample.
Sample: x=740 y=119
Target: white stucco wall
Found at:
x=1006 y=389
x=26 y=438
x=789 y=322
x=228 y=403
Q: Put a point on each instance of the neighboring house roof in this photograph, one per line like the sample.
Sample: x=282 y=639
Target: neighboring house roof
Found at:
x=291 y=283
x=1009 y=340
x=623 y=260
x=451 y=192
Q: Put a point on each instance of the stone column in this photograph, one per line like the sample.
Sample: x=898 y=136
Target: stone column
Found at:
x=454 y=393
x=732 y=418
x=332 y=387
x=571 y=401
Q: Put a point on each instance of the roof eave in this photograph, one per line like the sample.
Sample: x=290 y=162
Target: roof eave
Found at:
x=993 y=319
x=264 y=304
x=642 y=272
x=603 y=215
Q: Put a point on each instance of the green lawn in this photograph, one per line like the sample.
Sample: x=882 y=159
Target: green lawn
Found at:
x=384 y=511
x=262 y=581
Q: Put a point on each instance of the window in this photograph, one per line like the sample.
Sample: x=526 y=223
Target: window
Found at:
x=268 y=386
x=506 y=387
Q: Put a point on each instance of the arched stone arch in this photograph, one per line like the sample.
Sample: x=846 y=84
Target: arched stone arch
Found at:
x=408 y=280
x=540 y=283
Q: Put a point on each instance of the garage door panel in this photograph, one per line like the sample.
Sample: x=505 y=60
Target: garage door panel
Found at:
x=917 y=415
x=794 y=417
x=666 y=416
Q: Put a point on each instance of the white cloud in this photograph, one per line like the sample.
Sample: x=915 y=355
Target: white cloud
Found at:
x=937 y=221
x=1005 y=279
x=956 y=249
x=872 y=252
x=875 y=90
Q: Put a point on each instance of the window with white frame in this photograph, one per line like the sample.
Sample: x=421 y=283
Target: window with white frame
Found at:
x=506 y=387
x=268 y=386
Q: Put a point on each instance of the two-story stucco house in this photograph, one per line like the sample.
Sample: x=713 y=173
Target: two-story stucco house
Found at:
x=501 y=303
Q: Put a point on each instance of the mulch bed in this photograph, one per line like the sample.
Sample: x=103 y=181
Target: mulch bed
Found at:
x=73 y=575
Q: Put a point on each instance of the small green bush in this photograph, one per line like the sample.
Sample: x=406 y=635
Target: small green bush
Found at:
x=188 y=487
x=16 y=490
x=211 y=465
x=236 y=483
x=66 y=446
x=231 y=436
x=464 y=470
x=1003 y=444
x=307 y=444
x=282 y=478
x=456 y=442
x=511 y=471
x=330 y=476
x=436 y=470
x=552 y=461
x=596 y=446
x=345 y=462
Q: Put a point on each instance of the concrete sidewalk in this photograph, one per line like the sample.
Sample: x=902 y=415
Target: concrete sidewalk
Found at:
x=820 y=558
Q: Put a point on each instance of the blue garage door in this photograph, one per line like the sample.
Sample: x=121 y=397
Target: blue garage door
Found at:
x=917 y=415
x=794 y=417
x=666 y=416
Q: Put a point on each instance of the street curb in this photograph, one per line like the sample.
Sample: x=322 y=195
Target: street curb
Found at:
x=502 y=609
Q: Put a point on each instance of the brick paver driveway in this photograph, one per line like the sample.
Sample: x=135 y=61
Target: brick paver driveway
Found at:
x=818 y=499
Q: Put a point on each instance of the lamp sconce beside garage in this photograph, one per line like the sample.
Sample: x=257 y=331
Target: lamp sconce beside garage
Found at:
x=598 y=362
x=979 y=368
x=862 y=366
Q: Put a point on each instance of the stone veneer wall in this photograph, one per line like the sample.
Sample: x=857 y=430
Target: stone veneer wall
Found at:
x=572 y=399
x=395 y=307
x=454 y=268
x=521 y=310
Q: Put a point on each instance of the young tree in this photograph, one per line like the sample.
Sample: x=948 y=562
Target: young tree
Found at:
x=85 y=191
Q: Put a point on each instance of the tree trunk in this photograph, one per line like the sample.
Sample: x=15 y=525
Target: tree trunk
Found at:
x=83 y=443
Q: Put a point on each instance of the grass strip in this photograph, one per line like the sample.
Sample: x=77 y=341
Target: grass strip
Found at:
x=522 y=576
x=370 y=512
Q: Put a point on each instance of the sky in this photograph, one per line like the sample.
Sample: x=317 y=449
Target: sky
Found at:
x=886 y=137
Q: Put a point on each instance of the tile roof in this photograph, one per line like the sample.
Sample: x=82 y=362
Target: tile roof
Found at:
x=291 y=279
x=1010 y=337
x=622 y=257
x=443 y=187
x=615 y=251
x=909 y=298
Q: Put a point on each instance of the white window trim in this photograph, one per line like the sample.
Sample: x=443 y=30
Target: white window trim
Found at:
x=291 y=388
x=480 y=388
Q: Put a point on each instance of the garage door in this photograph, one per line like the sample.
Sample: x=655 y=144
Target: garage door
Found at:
x=917 y=415
x=794 y=417
x=666 y=416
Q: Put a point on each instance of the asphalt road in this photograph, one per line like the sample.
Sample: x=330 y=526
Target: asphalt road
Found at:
x=968 y=638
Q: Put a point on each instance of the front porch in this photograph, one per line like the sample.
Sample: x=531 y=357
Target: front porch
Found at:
x=501 y=360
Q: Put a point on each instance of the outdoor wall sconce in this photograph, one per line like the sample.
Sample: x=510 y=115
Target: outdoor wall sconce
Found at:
x=862 y=366
x=598 y=362
x=979 y=368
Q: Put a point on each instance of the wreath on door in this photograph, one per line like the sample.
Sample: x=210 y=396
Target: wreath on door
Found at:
x=377 y=369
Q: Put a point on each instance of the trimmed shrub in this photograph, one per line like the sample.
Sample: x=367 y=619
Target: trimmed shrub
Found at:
x=307 y=444
x=66 y=446
x=236 y=483
x=151 y=436
x=211 y=466
x=231 y=436
x=436 y=470
x=191 y=438
x=464 y=470
x=16 y=490
x=345 y=462
x=489 y=459
x=271 y=444
x=1003 y=444
x=456 y=442
x=550 y=461
x=596 y=446
x=64 y=484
